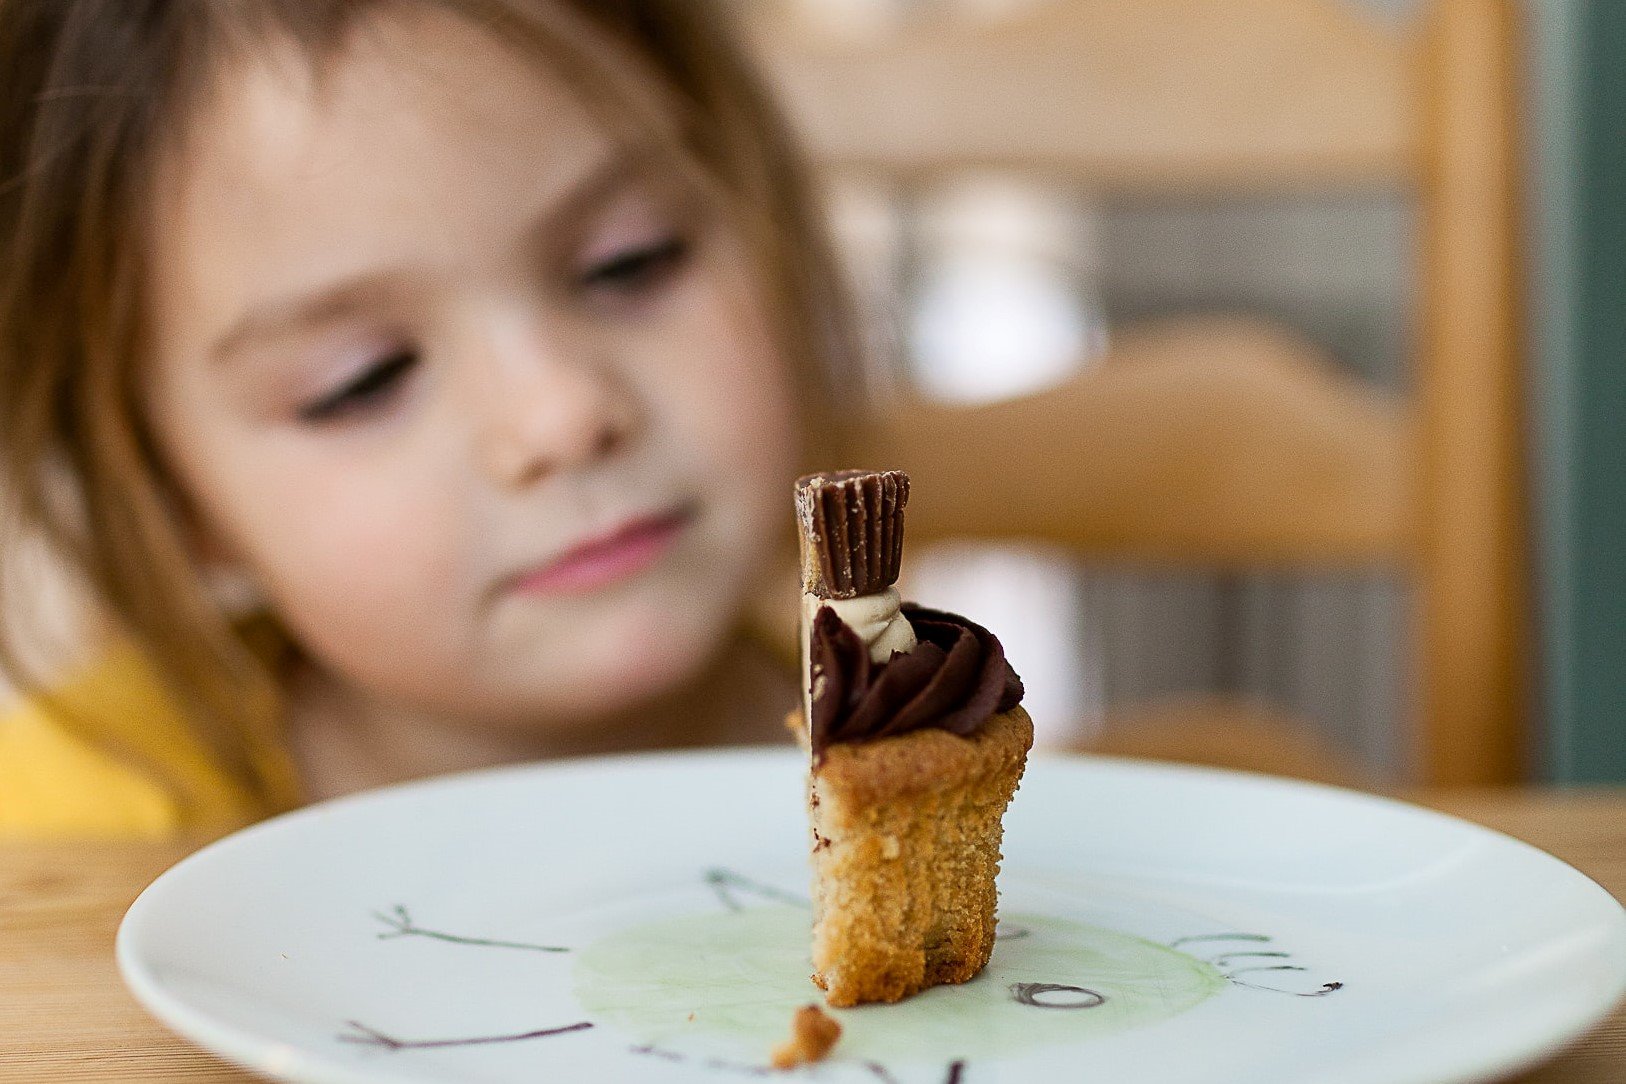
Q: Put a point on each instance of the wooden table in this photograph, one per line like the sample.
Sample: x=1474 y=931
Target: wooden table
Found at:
x=64 y=1014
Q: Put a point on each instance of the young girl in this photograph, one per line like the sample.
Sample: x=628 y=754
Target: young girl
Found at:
x=475 y=343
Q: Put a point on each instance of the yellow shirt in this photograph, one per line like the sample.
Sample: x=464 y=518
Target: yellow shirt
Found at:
x=68 y=781
x=61 y=781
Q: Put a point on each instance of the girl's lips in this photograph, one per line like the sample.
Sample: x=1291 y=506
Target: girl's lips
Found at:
x=608 y=559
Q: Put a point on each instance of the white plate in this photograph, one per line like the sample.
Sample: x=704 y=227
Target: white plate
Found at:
x=1157 y=924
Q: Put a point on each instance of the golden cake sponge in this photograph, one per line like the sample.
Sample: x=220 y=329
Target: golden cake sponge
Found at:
x=906 y=833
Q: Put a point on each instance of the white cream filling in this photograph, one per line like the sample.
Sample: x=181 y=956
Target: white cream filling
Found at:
x=877 y=619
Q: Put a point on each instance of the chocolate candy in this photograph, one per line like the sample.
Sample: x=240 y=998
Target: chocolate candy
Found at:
x=852 y=531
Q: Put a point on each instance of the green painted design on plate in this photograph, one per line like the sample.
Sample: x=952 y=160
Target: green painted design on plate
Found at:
x=742 y=973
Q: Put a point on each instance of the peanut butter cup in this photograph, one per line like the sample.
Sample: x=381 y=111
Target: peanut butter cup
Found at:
x=852 y=531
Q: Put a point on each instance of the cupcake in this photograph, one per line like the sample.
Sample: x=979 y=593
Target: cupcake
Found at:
x=916 y=745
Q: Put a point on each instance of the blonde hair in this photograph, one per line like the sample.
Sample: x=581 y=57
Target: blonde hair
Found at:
x=92 y=93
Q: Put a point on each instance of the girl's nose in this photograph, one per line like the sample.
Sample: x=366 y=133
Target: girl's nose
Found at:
x=544 y=408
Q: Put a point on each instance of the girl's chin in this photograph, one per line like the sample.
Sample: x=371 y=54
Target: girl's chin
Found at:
x=640 y=671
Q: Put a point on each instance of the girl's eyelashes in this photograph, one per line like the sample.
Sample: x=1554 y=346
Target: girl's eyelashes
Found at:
x=368 y=391
x=635 y=271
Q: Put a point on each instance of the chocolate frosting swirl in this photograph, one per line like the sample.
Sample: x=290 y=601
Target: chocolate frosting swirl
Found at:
x=955 y=679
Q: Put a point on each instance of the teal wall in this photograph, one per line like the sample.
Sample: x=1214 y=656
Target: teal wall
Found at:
x=1578 y=138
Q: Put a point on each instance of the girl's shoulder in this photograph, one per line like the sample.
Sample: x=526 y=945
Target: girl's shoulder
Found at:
x=108 y=753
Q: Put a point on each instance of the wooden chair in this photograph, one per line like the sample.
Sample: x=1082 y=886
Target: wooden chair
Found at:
x=1229 y=443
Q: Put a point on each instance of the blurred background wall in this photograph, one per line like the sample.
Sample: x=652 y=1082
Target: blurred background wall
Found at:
x=985 y=283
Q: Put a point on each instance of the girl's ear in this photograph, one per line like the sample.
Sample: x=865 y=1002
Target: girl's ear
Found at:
x=226 y=577
x=233 y=588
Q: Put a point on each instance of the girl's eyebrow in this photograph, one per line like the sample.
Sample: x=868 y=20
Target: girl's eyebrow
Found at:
x=593 y=185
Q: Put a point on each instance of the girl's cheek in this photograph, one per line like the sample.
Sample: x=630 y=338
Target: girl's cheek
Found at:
x=758 y=423
x=358 y=623
x=355 y=554
x=739 y=396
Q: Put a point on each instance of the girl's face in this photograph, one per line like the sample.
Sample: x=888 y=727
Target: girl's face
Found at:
x=489 y=412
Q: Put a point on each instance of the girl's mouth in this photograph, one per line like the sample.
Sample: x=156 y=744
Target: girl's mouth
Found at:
x=609 y=558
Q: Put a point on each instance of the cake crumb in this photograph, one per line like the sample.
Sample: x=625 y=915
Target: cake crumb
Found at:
x=813 y=1034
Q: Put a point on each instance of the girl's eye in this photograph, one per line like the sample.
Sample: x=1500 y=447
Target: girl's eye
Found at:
x=371 y=389
x=637 y=270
